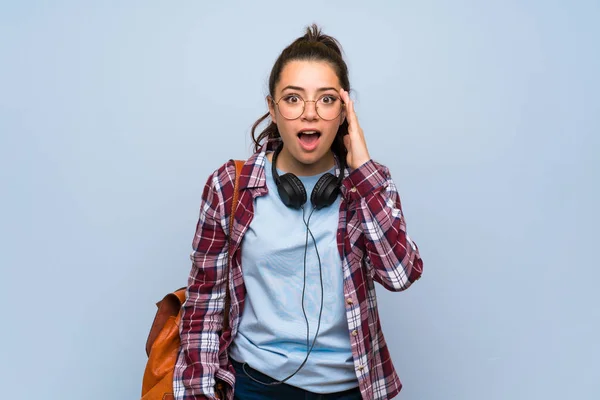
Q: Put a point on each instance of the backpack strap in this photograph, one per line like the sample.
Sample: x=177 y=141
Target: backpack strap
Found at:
x=235 y=197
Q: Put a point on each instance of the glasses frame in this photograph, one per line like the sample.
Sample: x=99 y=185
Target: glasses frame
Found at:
x=304 y=106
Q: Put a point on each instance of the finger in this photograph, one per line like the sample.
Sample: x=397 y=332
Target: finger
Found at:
x=349 y=104
x=352 y=118
x=346 y=99
x=353 y=125
x=344 y=95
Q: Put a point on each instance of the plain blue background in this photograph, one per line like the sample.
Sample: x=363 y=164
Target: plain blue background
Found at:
x=112 y=115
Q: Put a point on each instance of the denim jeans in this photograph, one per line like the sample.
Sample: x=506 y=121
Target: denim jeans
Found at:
x=247 y=389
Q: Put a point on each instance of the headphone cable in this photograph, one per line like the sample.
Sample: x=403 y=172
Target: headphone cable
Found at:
x=308 y=231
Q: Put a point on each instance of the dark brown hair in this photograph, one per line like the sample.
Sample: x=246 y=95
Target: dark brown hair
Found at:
x=313 y=46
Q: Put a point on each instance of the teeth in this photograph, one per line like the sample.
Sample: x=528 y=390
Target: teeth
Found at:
x=309 y=132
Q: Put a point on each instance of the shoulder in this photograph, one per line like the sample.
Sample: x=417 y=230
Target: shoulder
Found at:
x=222 y=177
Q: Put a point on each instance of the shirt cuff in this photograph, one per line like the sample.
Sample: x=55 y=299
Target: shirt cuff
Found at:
x=366 y=179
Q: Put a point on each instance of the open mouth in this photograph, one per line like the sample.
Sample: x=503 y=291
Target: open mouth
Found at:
x=309 y=139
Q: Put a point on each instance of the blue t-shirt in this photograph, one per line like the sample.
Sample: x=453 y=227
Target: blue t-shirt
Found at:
x=272 y=331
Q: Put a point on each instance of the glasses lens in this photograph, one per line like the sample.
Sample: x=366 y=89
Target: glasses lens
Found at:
x=291 y=107
x=329 y=107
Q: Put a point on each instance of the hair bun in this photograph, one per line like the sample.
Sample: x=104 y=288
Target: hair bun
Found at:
x=314 y=35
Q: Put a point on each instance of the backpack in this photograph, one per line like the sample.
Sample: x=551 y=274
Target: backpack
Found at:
x=162 y=345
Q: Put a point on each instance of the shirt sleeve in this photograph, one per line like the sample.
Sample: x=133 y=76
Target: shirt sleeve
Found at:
x=202 y=315
x=392 y=257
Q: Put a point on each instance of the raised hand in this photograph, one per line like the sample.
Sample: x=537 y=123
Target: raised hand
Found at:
x=355 y=139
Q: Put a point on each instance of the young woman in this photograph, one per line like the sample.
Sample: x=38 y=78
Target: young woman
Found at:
x=317 y=223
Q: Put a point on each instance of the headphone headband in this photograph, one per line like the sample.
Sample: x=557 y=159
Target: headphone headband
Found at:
x=292 y=191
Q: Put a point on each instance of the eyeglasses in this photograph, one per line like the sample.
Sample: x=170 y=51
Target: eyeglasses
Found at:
x=328 y=107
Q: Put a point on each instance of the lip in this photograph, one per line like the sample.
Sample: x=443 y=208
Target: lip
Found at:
x=309 y=130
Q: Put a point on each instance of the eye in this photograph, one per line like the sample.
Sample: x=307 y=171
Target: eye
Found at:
x=292 y=98
x=328 y=99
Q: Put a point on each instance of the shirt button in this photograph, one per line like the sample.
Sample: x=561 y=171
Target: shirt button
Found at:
x=361 y=367
x=349 y=300
x=354 y=332
x=353 y=189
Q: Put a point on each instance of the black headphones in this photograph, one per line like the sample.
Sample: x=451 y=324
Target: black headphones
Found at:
x=292 y=191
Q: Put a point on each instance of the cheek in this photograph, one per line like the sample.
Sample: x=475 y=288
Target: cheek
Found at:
x=332 y=128
x=285 y=128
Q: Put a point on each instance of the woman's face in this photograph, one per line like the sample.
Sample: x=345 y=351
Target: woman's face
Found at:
x=307 y=139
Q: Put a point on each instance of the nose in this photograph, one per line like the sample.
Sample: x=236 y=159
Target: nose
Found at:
x=310 y=110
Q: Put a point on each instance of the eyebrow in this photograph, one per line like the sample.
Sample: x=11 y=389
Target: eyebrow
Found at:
x=323 y=89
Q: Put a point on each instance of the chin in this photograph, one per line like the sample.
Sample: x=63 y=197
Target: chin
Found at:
x=310 y=158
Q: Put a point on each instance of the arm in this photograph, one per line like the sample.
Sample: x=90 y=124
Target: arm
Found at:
x=392 y=258
x=202 y=316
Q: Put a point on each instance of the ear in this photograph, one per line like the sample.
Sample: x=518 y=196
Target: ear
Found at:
x=271 y=105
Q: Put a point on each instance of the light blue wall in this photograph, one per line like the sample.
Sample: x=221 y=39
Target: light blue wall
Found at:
x=112 y=114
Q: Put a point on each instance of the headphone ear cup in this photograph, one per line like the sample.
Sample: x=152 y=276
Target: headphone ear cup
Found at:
x=325 y=191
x=291 y=191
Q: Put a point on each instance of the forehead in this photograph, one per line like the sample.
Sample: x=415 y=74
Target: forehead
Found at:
x=310 y=75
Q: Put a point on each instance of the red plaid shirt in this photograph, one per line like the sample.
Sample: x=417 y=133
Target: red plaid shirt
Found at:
x=373 y=245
